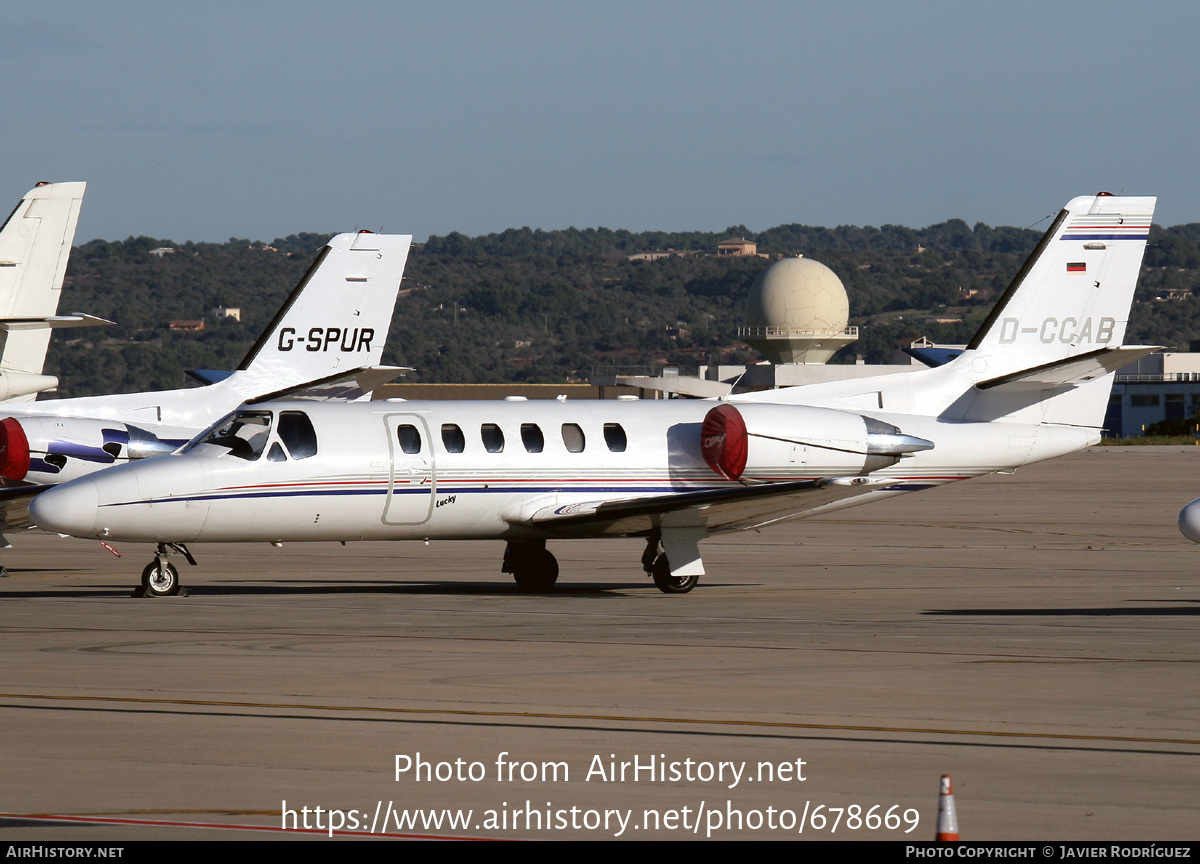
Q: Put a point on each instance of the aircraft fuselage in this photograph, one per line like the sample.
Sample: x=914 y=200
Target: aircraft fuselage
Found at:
x=474 y=469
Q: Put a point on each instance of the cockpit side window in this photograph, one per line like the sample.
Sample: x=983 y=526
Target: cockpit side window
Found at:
x=296 y=431
x=244 y=434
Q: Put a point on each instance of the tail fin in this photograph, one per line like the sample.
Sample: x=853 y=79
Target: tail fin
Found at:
x=336 y=319
x=1074 y=293
x=35 y=242
x=1055 y=336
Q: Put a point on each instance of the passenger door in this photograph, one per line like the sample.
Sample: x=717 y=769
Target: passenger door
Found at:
x=413 y=480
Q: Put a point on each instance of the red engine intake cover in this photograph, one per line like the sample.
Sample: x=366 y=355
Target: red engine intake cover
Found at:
x=14 y=450
x=723 y=441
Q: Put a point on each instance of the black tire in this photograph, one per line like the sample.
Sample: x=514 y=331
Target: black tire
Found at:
x=536 y=572
x=160 y=581
x=668 y=584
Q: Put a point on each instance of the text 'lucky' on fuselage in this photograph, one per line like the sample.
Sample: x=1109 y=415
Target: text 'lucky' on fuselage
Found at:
x=1032 y=384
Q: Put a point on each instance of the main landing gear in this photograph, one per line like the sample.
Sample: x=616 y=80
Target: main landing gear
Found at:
x=160 y=578
x=671 y=558
x=658 y=567
x=533 y=567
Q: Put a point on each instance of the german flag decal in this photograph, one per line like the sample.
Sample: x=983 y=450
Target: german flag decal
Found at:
x=1076 y=267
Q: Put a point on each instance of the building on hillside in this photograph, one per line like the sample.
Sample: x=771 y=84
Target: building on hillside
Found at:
x=737 y=246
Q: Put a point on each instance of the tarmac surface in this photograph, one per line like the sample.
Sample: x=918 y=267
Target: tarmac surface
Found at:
x=1035 y=636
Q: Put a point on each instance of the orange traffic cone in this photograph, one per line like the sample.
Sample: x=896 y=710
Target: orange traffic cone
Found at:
x=947 y=824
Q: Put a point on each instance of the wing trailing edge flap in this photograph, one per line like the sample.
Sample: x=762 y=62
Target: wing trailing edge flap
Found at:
x=716 y=510
x=1072 y=371
x=342 y=387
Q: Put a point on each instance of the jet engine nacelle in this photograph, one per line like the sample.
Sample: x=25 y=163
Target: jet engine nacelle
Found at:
x=57 y=449
x=761 y=440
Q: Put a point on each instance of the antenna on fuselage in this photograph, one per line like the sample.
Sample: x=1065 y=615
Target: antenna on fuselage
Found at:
x=729 y=392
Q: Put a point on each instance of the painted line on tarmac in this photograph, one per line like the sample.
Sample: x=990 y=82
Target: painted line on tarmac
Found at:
x=610 y=718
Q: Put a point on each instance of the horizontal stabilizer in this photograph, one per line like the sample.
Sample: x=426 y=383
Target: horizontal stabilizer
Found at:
x=53 y=322
x=1071 y=371
x=346 y=386
x=699 y=388
x=716 y=509
x=934 y=356
x=208 y=376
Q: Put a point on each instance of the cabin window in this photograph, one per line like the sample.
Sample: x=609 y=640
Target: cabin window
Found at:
x=573 y=438
x=244 y=434
x=409 y=438
x=275 y=454
x=614 y=437
x=532 y=438
x=453 y=439
x=493 y=438
x=296 y=431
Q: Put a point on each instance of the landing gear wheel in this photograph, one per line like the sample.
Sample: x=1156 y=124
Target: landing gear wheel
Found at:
x=668 y=584
x=160 y=580
x=536 y=571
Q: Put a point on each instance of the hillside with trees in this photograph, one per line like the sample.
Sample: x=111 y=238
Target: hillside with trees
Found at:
x=548 y=306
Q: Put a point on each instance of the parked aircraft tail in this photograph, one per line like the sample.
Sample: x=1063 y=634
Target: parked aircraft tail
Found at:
x=335 y=320
x=35 y=242
x=1074 y=293
x=1047 y=351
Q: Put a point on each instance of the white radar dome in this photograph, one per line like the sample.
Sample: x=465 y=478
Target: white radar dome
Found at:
x=798 y=294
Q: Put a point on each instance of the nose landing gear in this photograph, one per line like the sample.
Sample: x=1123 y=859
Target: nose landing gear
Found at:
x=160 y=578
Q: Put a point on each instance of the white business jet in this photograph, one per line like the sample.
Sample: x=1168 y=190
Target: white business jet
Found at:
x=331 y=329
x=1032 y=384
x=35 y=242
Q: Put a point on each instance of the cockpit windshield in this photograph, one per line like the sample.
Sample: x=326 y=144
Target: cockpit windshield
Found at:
x=244 y=434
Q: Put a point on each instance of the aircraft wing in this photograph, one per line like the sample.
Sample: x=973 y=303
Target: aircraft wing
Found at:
x=1071 y=371
x=717 y=510
x=343 y=387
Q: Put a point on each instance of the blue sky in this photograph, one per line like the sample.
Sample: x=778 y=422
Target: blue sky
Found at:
x=202 y=121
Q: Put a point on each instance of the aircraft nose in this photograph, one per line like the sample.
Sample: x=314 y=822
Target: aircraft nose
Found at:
x=67 y=509
x=1189 y=521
